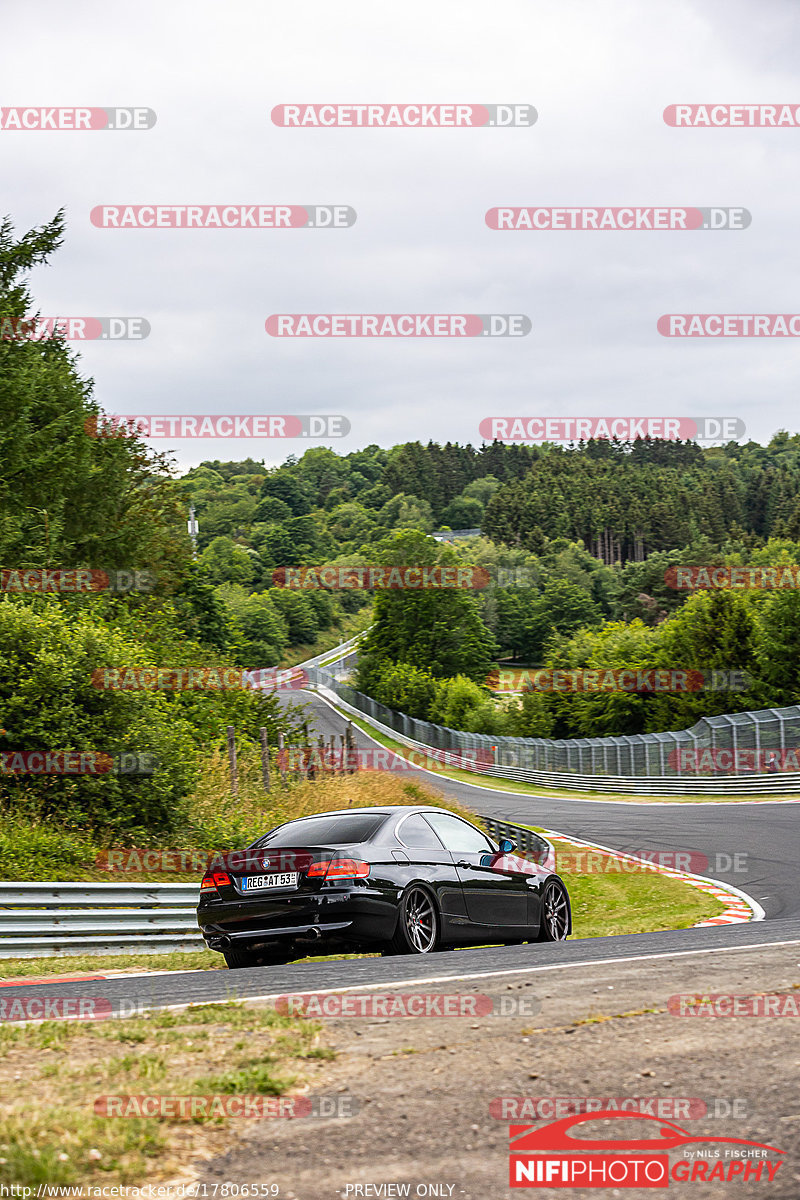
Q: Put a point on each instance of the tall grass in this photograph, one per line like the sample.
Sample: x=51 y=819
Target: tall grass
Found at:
x=35 y=848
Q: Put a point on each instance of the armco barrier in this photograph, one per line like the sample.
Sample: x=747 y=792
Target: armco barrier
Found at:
x=44 y=920
x=526 y=840
x=641 y=754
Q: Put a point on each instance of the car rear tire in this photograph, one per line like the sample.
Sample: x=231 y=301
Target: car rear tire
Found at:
x=418 y=925
x=554 y=924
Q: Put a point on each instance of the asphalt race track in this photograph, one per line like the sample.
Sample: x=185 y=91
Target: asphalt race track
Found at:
x=767 y=832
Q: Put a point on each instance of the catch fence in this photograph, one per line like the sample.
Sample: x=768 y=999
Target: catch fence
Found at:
x=747 y=753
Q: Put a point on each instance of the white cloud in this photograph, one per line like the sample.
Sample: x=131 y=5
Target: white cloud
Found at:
x=600 y=72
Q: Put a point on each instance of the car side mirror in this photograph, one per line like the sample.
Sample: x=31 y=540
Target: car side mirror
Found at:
x=506 y=846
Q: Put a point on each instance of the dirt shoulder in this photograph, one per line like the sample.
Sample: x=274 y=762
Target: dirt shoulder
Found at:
x=423 y=1086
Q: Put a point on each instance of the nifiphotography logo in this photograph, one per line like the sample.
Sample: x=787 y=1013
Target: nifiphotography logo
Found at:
x=549 y=1156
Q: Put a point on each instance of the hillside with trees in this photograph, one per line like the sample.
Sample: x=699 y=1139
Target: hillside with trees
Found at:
x=71 y=500
x=578 y=543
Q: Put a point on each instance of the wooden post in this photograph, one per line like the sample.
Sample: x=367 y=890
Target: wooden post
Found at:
x=343 y=762
x=281 y=759
x=264 y=758
x=232 y=760
x=352 y=752
x=306 y=765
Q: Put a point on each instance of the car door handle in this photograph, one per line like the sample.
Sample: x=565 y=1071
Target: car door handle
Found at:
x=463 y=864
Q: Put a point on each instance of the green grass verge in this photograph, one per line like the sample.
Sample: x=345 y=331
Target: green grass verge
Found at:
x=85 y=964
x=619 y=902
x=50 y=1075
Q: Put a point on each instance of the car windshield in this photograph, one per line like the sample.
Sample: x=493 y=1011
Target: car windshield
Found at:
x=314 y=831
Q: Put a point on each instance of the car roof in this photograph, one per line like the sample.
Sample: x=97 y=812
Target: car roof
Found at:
x=386 y=809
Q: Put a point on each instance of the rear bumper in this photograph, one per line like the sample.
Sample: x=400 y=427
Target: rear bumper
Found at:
x=305 y=934
x=341 y=917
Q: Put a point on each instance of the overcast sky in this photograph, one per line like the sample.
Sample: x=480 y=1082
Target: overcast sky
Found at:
x=598 y=72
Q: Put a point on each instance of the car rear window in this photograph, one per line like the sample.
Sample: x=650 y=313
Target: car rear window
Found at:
x=315 y=831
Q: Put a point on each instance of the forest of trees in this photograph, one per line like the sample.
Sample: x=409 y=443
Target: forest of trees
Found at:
x=577 y=543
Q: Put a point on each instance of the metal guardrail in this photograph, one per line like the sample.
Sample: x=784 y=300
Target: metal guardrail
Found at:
x=720 y=786
x=45 y=920
x=329 y=657
x=525 y=840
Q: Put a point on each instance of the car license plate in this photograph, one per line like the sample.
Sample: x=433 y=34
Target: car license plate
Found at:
x=254 y=883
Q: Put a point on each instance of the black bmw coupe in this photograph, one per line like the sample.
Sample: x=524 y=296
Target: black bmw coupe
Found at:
x=399 y=880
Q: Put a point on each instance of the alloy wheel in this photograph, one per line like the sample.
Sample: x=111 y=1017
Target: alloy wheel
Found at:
x=420 y=920
x=555 y=913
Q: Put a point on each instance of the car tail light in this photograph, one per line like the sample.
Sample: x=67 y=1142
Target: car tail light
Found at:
x=215 y=880
x=339 y=868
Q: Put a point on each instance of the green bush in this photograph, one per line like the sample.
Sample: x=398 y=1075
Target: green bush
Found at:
x=49 y=702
